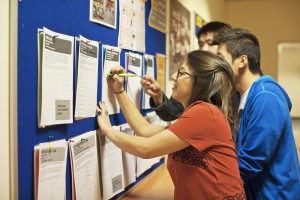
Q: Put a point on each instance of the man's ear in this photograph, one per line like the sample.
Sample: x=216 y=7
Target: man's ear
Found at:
x=243 y=61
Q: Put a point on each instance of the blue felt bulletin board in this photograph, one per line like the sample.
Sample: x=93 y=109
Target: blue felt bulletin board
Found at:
x=70 y=18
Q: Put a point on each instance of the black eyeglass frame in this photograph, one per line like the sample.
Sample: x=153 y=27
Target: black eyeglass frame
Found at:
x=182 y=73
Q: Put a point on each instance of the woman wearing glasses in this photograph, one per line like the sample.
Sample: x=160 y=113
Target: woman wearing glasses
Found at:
x=202 y=159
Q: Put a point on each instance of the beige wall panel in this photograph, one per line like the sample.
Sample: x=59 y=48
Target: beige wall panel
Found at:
x=4 y=100
x=271 y=21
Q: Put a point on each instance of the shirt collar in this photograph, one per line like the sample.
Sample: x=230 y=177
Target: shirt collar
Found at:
x=243 y=99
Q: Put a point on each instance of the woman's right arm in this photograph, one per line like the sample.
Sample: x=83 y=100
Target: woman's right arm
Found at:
x=133 y=116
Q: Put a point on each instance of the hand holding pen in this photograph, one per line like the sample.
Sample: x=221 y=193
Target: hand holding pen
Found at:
x=116 y=82
x=123 y=75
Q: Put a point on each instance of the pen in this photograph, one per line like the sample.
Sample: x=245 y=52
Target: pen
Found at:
x=125 y=75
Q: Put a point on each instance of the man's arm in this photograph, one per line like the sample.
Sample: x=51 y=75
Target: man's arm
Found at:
x=169 y=110
x=166 y=109
x=258 y=142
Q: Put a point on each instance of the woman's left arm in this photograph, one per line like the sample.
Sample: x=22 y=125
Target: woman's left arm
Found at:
x=160 y=144
x=164 y=142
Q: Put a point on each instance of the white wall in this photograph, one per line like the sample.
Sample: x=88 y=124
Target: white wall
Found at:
x=289 y=73
x=289 y=78
x=296 y=129
x=4 y=99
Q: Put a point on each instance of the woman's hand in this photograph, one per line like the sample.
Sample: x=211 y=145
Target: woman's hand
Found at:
x=103 y=118
x=116 y=82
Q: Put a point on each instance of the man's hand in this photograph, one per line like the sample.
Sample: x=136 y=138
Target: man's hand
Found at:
x=153 y=89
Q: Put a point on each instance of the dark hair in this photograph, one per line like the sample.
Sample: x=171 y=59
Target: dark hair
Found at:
x=241 y=42
x=214 y=27
x=213 y=82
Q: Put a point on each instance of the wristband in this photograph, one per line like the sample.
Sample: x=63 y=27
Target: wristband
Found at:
x=120 y=91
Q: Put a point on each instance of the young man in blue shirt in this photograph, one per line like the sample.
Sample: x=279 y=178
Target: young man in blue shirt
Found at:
x=266 y=148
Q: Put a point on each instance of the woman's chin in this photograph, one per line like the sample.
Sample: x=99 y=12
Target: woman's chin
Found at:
x=180 y=100
x=174 y=96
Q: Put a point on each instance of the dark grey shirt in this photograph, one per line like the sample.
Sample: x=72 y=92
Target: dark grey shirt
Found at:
x=169 y=110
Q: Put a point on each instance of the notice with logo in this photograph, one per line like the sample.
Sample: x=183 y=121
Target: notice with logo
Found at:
x=87 y=78
x=134 y=66
x=85 y=166
x=111 y=58
x=50 y=162
x=129 y=160
x=55 y=87
x=111 y=167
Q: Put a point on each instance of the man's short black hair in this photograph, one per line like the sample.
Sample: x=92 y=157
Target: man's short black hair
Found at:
x=214 y=27
x=241 y=42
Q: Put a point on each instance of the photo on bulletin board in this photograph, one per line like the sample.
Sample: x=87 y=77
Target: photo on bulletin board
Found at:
x=157 y=17
x=179 y=44
x=104 y=12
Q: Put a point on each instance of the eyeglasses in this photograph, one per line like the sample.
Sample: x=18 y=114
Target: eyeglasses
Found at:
x=180 y=73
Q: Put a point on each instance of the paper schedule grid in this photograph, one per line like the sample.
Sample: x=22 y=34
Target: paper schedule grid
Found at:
x=85 y=166
x=87 y=78
x=112 y=168
x=56 y=79
x=134 y=65
x=132 y=25
x=111 y=58
x=50 y=170
x=143 y=164
x=129 y=160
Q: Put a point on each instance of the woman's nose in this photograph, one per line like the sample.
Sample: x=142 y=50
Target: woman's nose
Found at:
x=174 y=76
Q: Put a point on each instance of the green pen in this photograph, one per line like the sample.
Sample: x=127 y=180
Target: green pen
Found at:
x=124 y=75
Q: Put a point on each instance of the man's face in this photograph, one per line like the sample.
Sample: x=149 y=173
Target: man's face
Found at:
x=205 y=41
x=222 y=52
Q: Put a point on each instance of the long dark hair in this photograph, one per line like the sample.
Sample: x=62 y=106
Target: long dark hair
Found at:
x=213 y=82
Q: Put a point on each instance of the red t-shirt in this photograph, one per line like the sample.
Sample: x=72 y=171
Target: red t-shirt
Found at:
x=208 y=168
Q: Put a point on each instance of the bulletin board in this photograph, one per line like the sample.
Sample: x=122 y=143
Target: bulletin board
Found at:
x=70 y=18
